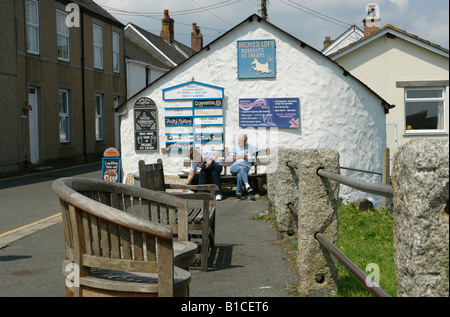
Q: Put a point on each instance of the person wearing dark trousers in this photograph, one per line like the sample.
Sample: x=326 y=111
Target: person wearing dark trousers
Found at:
x=206 y=160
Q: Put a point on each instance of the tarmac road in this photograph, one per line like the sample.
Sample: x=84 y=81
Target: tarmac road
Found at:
x=247 y=261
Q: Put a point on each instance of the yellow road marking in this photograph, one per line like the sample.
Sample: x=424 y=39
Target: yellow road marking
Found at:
x=29 y=225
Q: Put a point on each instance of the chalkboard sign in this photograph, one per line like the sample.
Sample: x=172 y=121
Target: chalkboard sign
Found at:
x=145 y=125
x=111 y=169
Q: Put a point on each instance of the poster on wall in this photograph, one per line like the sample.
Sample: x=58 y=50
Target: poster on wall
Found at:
x=145 y=125
x=256 y=59
x=193 y=117
x=269 y=113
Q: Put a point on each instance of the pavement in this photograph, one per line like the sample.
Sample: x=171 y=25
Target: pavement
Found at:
x=248 y=260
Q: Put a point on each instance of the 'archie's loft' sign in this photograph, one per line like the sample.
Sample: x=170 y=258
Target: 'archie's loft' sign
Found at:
x=256 y=59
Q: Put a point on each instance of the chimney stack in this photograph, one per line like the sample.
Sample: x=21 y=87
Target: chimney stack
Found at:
x=196 y=38
x=327 y=42
x=167 y=31
x=372 y=21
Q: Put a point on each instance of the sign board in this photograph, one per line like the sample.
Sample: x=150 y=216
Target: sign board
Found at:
x=145 y=125
x=193 y=91
x=193 y=116
x=269 y=112
x=256 y=59
x=111 y=167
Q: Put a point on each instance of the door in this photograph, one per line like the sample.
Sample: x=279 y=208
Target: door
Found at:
x=33 y=125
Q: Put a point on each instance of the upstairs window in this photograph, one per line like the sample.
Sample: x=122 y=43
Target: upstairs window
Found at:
x=116 y=52
x=424 y=110
x=62 y=36
x=32 y=19
x=98 y=46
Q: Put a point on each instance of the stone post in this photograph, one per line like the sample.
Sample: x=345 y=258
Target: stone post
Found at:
x=420 y=182
x=386 y=177
x=318 y=202
x=283 y=189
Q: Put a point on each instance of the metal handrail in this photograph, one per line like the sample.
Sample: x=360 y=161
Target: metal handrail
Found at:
x=351 y=267
x=376 y=189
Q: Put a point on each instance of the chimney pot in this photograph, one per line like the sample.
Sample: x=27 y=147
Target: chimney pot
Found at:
x=196 y=38
x=167 y=30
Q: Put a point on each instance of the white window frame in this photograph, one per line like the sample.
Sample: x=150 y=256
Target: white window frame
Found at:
x=431 y=99
x=98 y=46
x=99 y=118
x=65 y=115
x=33 y=26
x=116 y=51
x=64 y=35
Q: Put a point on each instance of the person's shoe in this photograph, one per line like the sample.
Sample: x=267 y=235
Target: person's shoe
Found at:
x=219 y=197
x=249 y=190
x=238 y=197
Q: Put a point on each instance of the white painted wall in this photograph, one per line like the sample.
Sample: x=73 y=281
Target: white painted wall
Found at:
x=336 y=111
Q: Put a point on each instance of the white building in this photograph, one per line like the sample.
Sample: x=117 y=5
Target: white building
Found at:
x=261 y=75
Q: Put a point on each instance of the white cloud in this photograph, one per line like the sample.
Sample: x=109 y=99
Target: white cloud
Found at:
x=401 y=4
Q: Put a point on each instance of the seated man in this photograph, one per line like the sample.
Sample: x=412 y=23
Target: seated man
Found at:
x=209 y=166
x=241 y=166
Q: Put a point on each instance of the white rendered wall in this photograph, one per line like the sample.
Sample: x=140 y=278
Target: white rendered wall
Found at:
x=336 y=111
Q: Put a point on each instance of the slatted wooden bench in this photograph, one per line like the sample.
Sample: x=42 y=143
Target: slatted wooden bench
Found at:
x=121 y=238
x=261 y=159
x=201 y=218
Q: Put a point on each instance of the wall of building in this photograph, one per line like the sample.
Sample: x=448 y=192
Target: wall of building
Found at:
x=21 y=70
x=336 y=111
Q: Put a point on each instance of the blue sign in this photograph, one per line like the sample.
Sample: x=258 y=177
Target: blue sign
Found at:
x=269 y=112
x=256 y=59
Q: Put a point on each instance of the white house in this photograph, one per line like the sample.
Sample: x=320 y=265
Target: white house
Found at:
x=257 y=79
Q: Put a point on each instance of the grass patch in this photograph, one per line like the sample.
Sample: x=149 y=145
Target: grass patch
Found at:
x=366 y=237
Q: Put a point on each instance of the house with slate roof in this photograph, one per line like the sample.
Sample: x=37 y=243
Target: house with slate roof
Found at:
x=407 y=71
x=149 y=56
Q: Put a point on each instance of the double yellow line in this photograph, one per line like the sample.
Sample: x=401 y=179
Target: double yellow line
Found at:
x=29 y=225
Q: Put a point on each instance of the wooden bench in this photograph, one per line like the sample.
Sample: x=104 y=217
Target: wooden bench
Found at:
x=121 y=238
x=201 y=219
x=261 y=159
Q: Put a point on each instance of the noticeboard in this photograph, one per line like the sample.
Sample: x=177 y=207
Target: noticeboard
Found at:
x=269 y=113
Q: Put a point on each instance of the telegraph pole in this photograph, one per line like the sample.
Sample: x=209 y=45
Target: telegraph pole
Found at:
x=264 y=9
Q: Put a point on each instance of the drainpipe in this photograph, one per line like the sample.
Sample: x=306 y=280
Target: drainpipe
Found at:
x=83 y=90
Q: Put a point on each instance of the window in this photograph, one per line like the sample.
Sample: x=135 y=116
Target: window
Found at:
x=424 y=110
x=116 y=52
x=63 y=106
x=32 y=18
x=98 y=46
x=98 y=117
x=62 y=36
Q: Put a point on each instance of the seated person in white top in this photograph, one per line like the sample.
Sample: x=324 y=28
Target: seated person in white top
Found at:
x=209 y=166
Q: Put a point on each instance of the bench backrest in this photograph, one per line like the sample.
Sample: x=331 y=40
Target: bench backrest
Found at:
x=115 y=226
x=151 y=176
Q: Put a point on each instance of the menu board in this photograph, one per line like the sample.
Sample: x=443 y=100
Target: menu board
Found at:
x=111 y=169
x=145 y=125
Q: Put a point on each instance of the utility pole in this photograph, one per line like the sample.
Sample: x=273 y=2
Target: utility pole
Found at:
x=264 y=9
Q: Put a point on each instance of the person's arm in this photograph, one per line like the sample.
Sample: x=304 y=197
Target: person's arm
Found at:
x=190 y=177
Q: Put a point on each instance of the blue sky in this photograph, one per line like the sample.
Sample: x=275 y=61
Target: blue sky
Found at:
x=308 y=20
